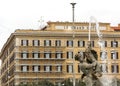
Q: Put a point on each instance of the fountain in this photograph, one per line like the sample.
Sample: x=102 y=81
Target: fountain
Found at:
x=92 y=74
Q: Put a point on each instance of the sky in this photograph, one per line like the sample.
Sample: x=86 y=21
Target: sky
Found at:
x=25 y=14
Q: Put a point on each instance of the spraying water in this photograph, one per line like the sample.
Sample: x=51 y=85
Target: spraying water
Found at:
x=106 y=81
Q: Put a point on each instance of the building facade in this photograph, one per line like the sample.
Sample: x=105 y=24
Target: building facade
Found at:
x=34 y=55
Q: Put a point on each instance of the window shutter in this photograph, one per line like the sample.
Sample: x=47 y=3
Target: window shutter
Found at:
x=22 y=42
x=44 y=42
x=21 y=68
x=83 y=43
x=78 y=43
x=67 y=43
x=27 y=42
x=112 y=68
x=105 y=43
x=61 y=55
x=111 y=43
x=33 y=42
x=117 y=55
x=38 y=55
x=27 y=68
x=78 y=68
x=67 y=68
x=21 y=55
x=117 y=69
x=27 y=54
x=50 y=68
x=111 y=55
x=39 y=68
x=32 y=68
x=67 y=55
x=61 y=67
x=44 y=68
x=49 y=42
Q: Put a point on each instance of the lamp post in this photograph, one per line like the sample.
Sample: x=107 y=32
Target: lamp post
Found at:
x=73 y=27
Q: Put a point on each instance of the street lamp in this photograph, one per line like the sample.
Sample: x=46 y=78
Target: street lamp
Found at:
x=73 y=27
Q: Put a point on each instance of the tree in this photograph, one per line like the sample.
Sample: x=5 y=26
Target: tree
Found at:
x=39 y=83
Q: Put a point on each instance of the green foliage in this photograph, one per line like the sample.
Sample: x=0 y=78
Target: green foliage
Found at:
x=39 y=83
x=80 y=83
x=67 y=82
x=118 y=82
x=45 y=83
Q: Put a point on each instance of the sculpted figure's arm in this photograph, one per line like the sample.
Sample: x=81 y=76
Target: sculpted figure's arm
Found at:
x=86 y=65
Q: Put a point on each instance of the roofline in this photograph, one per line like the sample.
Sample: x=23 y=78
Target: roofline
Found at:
x=6 y=43
x=60 y=22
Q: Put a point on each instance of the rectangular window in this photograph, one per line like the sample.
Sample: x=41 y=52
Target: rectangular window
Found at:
x=47 y=42
x=104 y=68
x=24 y=54
x=114 y=55
x=24 y=42
x=35 y=42
x=115 y=68
x=92 y=43
x=48 y=68
x=47 y=55
x=36 y=55
x=24 y=68
x=70 y=68
x=104 y=43
x=69 y=54
x=36 y=68
x=59 y=68
x=58 y=55
x=69 y=43
x=103 y=55
x=81 y=43
x=57 y=43
x=114 y=43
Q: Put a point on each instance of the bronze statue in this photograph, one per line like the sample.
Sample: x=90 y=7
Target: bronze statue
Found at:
x=89 y=66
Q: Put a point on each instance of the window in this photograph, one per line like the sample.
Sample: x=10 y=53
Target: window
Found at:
x=104 y=68
x=58 y=55
x=24 y=68
x=24 y=54
x=92 y=43
x=70 y=68
x=103 y=55
x=114 y=43
x=69 y=43
x=36 y=68
x=59 y=68
x=115 y=68
x=47 y=42
x=48 y=68
x=24 y=42
x=81 y=43
x=78 y=68
x=69 y=54
x=12 y=58
x=47 y=55
x=114 y=55
x=36 y=55
x=35 y=42
x=104 y=43
x=57 y=43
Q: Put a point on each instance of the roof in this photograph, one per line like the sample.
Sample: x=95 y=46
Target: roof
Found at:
x=116 y=28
